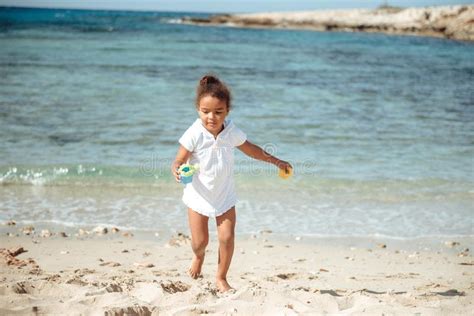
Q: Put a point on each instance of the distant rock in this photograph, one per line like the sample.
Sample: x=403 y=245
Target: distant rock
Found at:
x=179 y=240
x=453 y=22
x=28 y=230
x=45 y=233
x=83 y=232
x=451 y=244
x=100 y=230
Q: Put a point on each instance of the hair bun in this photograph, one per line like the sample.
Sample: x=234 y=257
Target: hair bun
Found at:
x=211 y=85
x=208 y=79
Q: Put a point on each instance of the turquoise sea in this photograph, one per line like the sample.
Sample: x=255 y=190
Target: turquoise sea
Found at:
x=380 y=128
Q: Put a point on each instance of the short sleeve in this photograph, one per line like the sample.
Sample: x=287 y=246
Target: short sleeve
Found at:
x=188 y=140
x=237 y=137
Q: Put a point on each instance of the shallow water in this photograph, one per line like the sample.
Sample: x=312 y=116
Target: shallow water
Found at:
x=380 y=128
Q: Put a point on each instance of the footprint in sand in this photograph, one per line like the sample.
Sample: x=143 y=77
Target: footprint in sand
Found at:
x=9 y=256
x=82 y=272
x=143 y=264
x=286 y=276
x=113 y=287
x=174 y=287
x=77 y=281
x=110 y=264
x=281 y=276
x=302 y=288
x=129 y=310
x=452 y=292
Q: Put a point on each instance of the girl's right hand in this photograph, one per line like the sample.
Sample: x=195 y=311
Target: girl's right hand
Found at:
x=174 y=170
x=181 y=157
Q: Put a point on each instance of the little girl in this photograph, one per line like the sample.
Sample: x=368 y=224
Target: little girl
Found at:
x=210 y=142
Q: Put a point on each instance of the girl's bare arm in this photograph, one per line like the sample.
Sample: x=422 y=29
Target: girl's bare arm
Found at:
x=258 y=153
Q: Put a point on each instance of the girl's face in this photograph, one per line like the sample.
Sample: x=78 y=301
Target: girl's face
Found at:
x=212 y=112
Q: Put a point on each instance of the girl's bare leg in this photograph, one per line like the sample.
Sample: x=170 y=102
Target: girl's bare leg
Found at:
x=225 y=232
x=199 y=241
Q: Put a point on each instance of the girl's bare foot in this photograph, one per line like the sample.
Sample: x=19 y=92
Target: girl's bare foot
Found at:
x=222 y=285
x=195 y=269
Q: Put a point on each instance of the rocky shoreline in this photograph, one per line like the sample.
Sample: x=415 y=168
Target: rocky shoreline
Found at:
x=452 y=22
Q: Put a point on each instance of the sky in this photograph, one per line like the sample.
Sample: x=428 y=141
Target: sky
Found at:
x=231 y=6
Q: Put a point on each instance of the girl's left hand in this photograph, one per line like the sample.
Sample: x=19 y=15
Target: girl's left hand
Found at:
x=284 y=165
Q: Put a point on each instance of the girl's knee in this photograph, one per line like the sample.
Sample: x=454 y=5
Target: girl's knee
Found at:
x=226 y=237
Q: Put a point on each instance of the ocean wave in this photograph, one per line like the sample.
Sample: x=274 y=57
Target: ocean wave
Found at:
x=172 y=21
x=43 y=175
x=306 y=185
x=146 y=174
x=330 y=208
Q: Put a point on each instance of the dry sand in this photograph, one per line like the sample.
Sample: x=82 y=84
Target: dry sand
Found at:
x=113 y=274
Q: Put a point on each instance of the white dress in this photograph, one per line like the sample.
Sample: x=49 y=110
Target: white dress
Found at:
x=212 y=191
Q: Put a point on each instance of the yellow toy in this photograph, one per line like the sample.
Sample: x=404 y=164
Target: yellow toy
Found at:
x=285 y=174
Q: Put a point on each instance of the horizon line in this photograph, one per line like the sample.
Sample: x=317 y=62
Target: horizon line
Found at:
x=207 y=12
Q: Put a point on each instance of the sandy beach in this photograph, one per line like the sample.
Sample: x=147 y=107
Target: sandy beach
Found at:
x=119 y=273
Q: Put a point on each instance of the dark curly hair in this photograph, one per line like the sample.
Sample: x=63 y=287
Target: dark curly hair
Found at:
x=211 y=85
